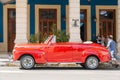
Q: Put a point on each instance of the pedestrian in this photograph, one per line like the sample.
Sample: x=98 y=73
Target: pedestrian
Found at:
x=111 y=45
x=100 y=40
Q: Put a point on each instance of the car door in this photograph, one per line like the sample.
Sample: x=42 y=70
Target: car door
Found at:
x=59 y=53
x=78 y=51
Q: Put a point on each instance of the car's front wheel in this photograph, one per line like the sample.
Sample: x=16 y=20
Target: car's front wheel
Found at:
x=92 y=62
x=27 y=62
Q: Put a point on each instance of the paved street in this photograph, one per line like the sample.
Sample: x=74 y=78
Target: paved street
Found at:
x=14 y=73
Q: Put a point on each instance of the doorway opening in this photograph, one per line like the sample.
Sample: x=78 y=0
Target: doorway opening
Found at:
x=11 y=28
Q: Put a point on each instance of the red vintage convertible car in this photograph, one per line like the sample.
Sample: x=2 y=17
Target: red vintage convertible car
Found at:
x=87 y=54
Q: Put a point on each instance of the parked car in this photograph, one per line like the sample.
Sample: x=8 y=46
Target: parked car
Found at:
x=87 y=54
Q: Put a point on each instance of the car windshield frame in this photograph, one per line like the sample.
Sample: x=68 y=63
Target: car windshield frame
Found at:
x=48 y=40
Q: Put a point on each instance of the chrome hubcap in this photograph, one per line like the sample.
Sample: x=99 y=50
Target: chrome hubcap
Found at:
x=27 y=63
x=92 y=63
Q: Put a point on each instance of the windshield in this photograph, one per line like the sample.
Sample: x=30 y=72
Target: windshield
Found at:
x=48 y=40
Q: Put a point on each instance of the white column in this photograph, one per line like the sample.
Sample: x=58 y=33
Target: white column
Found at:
x=74 y=21
x=21 y=21
x=118 y=25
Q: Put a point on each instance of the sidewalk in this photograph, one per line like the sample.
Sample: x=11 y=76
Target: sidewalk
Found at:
x=6 y=59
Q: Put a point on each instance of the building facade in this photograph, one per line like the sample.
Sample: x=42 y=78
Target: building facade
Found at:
x=82 y=19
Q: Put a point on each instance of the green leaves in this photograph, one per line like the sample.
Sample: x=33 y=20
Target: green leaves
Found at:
x=61 y=35
x=37 y=38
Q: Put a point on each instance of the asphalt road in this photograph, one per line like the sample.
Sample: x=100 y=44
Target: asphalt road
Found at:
x=14 y=73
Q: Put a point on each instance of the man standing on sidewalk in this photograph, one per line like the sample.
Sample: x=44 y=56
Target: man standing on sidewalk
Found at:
x=112 y=48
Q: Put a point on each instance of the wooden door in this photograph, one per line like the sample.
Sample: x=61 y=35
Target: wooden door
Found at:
x=83 y=24
x=107 y=23
x=106 y=27
x=11 y=28
x=47 y=20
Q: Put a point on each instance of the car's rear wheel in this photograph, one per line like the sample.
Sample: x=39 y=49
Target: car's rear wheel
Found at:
x=27 y=62
x=92 y=62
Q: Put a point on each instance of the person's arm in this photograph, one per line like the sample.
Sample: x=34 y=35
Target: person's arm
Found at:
x=108 y=44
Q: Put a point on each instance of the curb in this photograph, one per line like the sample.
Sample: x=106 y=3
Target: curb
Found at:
x=9 y=63
x=13 y=64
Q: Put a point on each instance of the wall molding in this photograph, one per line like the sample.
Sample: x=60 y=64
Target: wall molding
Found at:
x=97 y=16
x=37 y=7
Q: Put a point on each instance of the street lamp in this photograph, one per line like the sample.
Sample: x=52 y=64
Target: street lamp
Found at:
x=6 y=1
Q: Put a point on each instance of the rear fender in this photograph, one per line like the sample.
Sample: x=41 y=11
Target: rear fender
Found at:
x=39 y=57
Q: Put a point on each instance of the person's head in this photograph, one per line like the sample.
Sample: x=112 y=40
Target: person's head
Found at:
x=110 y=37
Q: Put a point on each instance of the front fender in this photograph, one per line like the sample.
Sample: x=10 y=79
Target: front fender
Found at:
x=87 y=53
x=103 y=56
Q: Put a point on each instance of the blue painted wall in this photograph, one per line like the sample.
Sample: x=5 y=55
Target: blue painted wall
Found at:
x=63 y=4
x=1 y=23
x=32 y=3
